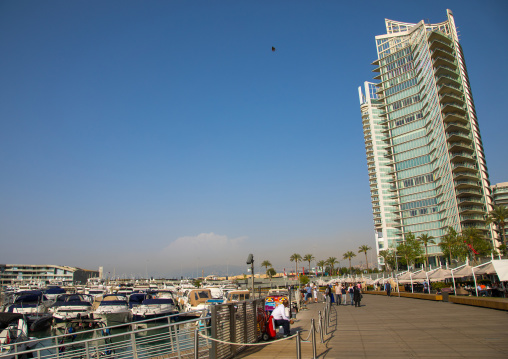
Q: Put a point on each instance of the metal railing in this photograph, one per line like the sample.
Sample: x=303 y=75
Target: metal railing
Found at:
x=159 y=337
x=227 y=330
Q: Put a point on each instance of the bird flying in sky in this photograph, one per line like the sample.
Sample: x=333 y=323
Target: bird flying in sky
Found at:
x=273 y=48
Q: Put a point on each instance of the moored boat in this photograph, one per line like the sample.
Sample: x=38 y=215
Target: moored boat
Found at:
x=111 y=309
x=13 y=334
x=71 y=306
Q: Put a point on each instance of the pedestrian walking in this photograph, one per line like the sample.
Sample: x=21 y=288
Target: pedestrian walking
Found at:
x=388 y=288
x=351 y=290
x=338 y=293
x=343 y=291
x=357 y=296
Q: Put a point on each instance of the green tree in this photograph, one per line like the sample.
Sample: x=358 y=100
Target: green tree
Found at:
x=321 y=264
x=349 y=255
x=477 y=245
x=270 y=272
x=426 y=239
x=266 y=264
x=295 y=258
x=450 y=244
x=499 y=216
x=308 y=258
x=409 y=250
x=365 y=248
x=386 y=254
x=332 y=261
x=304 y=279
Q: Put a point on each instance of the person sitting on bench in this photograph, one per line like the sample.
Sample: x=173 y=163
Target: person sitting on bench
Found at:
x=280 y=318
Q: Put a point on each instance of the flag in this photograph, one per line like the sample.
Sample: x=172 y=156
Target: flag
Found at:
x=303 y=270
x=284 y=272
x=316 y=271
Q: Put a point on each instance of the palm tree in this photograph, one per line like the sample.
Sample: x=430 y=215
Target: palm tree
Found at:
x=365 y=248
x=266 y=264
x=499 y=216
x=349 y=255
x=295 y=258
x=331 y=262
x=321 y=265
x=308 y=258
x=426 y=239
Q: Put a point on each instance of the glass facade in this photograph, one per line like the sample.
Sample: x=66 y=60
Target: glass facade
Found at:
x=425 y=156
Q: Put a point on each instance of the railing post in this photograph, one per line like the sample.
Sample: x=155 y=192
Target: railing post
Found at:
x=213 y=351
x=177 y=342
x=196 y=344
x=171 y=335
x=133 y=345
x=57 y=348
x=87 y=350
x=232 y=327
x=313 y=328
x=245 y=324
x=298 y=346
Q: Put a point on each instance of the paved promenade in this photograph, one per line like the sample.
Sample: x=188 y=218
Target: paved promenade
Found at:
x=393 y=327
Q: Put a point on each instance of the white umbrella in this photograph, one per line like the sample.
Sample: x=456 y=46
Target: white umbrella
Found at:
x=465 y=271
x=441 y=274
x=486 y=269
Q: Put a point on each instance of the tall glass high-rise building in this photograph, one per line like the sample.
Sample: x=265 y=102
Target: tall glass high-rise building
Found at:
x=425 y=157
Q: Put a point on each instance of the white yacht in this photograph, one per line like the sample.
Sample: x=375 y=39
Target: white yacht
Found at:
x=71 y=306
x=155 y=306
x=111 y=309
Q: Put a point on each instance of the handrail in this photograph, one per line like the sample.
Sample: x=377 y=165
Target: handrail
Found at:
x=87 y=345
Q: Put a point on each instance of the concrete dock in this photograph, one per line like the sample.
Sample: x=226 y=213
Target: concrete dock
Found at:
x=393 y=327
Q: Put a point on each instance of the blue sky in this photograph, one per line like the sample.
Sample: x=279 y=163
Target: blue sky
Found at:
x=166 y=136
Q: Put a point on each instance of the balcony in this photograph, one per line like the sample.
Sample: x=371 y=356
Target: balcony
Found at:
x=455 y=117
x=440 y=43
x=445 y=70
x=437 y=35
x=460 y=184
x=440 y=79
x=453 y=107
x=456 y=157
x=444 y=61
x=478 y=226
x=471 y=209
x=472 y=218
x=464 y=166
x=440 y=51
x=468 y=192
x=456 y=127
x=451 y=97
x=458 y=136
x=465 y=175
x=469 y=200
x=450 y=88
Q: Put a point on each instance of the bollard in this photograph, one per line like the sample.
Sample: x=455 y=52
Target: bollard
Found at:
x=196 y=344
x=313 y=328
x=321 y=328
x=298 y=346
